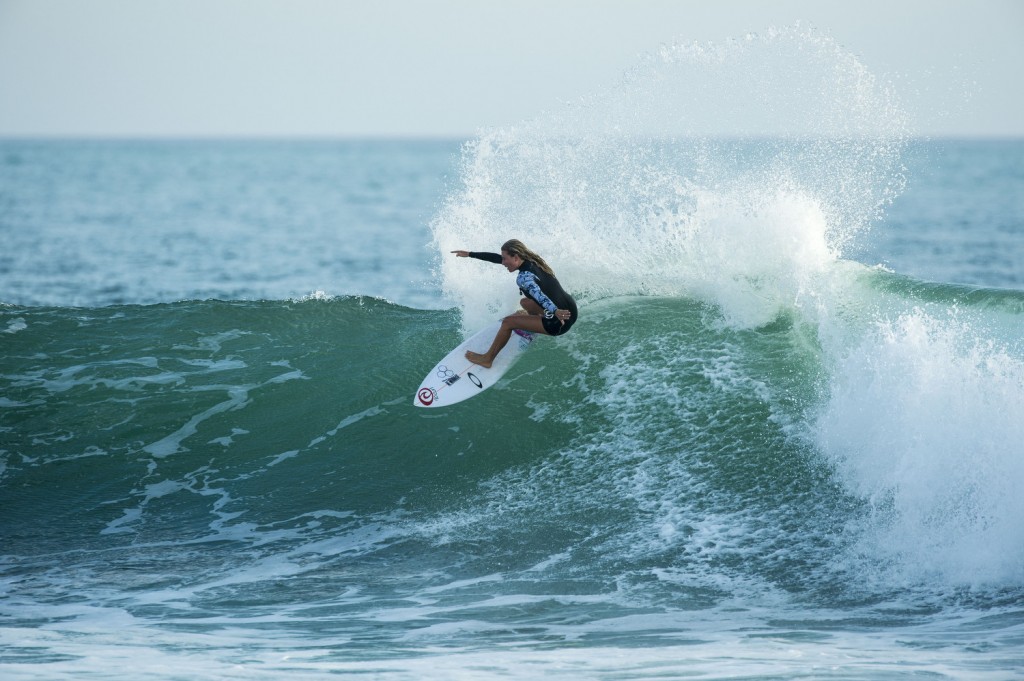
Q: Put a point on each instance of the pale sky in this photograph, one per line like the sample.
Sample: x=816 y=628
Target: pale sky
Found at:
x=343 y=68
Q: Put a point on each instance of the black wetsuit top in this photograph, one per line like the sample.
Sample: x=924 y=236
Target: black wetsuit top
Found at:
x=543 y=289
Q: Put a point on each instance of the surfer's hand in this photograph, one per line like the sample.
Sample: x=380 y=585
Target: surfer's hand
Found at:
x=563 y=316
x=461 y=254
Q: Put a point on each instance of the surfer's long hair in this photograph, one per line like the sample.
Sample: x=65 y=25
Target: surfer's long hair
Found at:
x=518 y=248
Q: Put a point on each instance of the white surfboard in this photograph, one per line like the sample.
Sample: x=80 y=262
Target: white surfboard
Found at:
x=455 y=378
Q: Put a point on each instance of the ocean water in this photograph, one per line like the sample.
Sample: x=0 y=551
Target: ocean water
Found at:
x=783 y=441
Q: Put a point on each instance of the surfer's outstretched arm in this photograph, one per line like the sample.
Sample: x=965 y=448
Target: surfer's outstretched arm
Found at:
x=489 y=257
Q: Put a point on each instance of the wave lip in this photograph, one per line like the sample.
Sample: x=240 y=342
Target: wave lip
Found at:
x=631 y=191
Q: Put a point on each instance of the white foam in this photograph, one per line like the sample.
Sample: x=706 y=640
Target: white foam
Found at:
x=628 y=193
x=228 y=440
x=15 y=325
x=111 y=643
x=238 y=396
x=348 y=421
x=213 y=343
x=318 y=295
x=925 y=421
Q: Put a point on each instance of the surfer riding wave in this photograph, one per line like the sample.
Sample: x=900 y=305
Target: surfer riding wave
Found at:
x=550 y=310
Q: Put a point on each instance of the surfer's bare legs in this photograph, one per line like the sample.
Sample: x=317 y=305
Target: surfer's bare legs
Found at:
x=526 y=322
x=531 y=306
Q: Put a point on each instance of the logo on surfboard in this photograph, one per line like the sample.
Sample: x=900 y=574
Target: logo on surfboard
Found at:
x=426 y=396
x=447 y=375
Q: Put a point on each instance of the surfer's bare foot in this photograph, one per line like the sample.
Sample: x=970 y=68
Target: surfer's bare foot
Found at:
x=477 y=358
